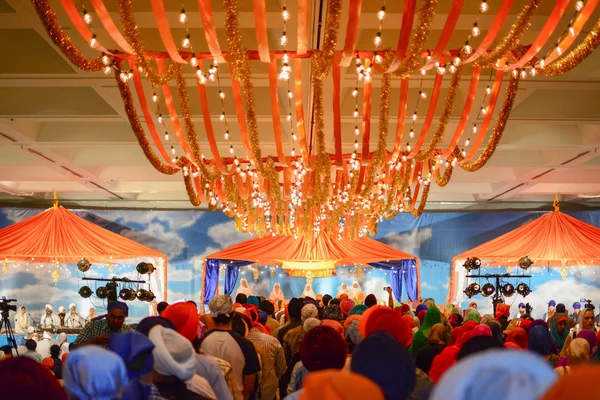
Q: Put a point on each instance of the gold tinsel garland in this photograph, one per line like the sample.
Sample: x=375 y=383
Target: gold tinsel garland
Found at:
x=62 y=40
x=576 y=56
x=132 y=35
x=443 y=179
x=190 y=128
x=511 y=93
x=240 y=66
x=321 y=60
x=412 y=61
x=191 y=192
x=419 y=210
x=512 y=39
x=138 y=130
x=445 y=117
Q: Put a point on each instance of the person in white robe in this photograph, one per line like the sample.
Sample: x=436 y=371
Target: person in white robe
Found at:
x=244 y=288
x=356 y=293
x=308 y=292
x=73 y=318
x=22 y=321
x=50 y=319
x=276 y=293
x=43 y=346
x=91 y=315
x=63 y=343
x=343 y=290
x=62 y=314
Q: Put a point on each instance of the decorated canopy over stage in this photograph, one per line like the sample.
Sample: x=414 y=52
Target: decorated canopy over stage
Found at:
x=553 y=240
x=311 y=259
x=59 y=236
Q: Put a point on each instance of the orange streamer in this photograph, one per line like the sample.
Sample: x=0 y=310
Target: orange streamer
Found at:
x=337 y=123
x=401 y=117
x=465 y=114
x=210 y=134
x=110 y=26
x=303 y=25
x=210 y=32
x=351 y=32
x=449 y=26
x=488 y=116
x=139 y=88
x=79 y=24
x=408 y=17
x=165 y=32
x=239 y=110
x=559 y=8
x=260 y=24
x=493 y=31
x=275 y=114
x=435 y=95
x=366 y=122
x=300 y=108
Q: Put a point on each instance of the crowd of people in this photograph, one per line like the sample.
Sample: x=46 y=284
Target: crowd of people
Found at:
x=316 y=348
x=25 y=323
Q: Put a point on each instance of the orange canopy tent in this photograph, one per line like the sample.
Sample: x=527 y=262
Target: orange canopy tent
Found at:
x=58 y=235
x=316 y=258
x=553 y=240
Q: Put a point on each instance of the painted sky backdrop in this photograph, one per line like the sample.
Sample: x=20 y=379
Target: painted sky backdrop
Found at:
x=187 y=236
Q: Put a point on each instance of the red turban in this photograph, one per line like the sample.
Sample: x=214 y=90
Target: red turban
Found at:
x=346 y=305
x=481 y=330
x=23 y=378
x=339 y=385
x=334 y=325
x=519 y=337
x=343 y=296
x=409 y=320
x=48 y=362
x=384 y=319
x=442 y=363
x=185 y=318
x=421 y=315
x=405 y=308
x=502 y=310
x=323 y=348
x=455 y=336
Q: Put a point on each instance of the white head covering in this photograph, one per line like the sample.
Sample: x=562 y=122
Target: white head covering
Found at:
x=62 y=337
x=308 y=292
x=61 y=309
x=72 y=305
x=353 y=292
x=244 y=288
x=30 y=329
x=310 y=323
x=48 y=306
x=220 y=305
x=496 y=375
x=46 y=335
x=244 y=282
x=343 y=289
x=276 y=293
x=173 y=354
x=309 y=311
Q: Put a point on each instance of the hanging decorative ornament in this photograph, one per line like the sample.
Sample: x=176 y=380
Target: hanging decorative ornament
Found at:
x=564 y=272
x=272 y=272
x=55 y=276
x=309 y=278
x=110 y=268
x=84 y=265
x=256 y=274
x=525 y=262
x=509 y=269
x=4 y=267
x=360 y=274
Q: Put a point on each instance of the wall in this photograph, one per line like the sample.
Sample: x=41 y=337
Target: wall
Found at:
x=187 y=236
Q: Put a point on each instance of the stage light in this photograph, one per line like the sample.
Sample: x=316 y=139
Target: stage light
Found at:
x=145 y=295
x=145 y=268
x=487 y=290
x=472 y=290
x=84 y=265
x=102 y=292
x=523 y=289
x=127 y=294
x=472 y=264
x=525 y=262
x=85 y=292
x=508 y=290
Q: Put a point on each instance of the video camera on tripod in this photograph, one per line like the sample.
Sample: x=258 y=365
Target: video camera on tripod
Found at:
x=528 y=309
x=588 y=304
x=5 y=308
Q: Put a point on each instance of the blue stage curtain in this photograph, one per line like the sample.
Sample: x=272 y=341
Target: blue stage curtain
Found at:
x=410 y=278
x=211 y=279
x=231 y=274
x=401 y=270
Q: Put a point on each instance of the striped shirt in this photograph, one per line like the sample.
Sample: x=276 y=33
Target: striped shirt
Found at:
x=273 y=362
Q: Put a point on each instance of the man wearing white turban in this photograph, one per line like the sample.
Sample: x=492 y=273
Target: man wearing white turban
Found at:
x=50 y=319
x=43 y=346
x=308 y=292
x=175 y=362
x=22 y=321
x=343 y=290
x=73 y=318
x=61 y=315
x=244 y=288
x=276 y=293
x=356 y=293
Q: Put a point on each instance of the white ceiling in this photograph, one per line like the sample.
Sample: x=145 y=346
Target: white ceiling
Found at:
x=64 y=130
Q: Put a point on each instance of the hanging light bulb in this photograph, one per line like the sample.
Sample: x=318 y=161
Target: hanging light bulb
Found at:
x=221 y=94
x=290 y=94
x=483 y=7
x=414 y=117
x=467 y=49
x=523 y=74
x=558 y=49
x=105 y=59
x=199 y=72
x=355 y=92
x=167 y=136
x=532 y=72
x=488 y=90
x=381 y=14
x=130 y=74
x=467 y=142
x=452 y=68
x=107 y=70
x=356 y=144
x=185 y=43
x=474 y=128
x=483 y=110
x=159 y=119
x=231 y=149
x=377 y=39
x=202 y=79
x=212 y=77
x=515 y=73
x=226 y=135
x=289 y=117
x=579 y=5
x=87 y=18
x=194 y=60
x=172 y=150
x=422 y=94
x=123 y=77
x=294 y=137
x=441 y=70
x=543 y=62
x=285 y=14
x=285 y=58
x=93 y=41
x=423 y=71
x=408 y=147
x=182 y=16
x=456 y=61
x=571 y=30
x=355 y=113
x=378 y=58
x=293 y=152
x=284 y=40
x=411 y=133
x=356 y=130
x=154 y=97
x=222 y=116
x=140 y=69
x=475 y=31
